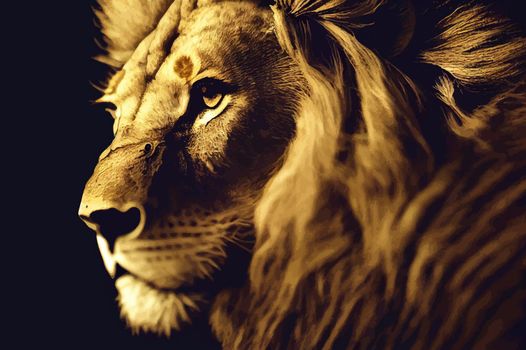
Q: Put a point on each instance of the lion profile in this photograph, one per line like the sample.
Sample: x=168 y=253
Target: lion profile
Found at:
x=316 y=174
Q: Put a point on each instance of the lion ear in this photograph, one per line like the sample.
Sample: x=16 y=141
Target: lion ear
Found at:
x=125 y=23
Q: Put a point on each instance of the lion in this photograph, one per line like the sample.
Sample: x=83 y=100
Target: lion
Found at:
x=316 y=174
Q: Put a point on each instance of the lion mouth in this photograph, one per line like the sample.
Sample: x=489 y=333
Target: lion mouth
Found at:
x=196 y=287
x=147 y=285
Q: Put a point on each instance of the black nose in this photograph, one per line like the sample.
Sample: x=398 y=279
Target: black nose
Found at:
x=112 y=223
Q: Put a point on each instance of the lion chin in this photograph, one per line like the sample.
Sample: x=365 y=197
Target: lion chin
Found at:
x=148 y=309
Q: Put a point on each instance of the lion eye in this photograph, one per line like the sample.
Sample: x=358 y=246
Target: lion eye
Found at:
x=209 y=98
x=211 y=95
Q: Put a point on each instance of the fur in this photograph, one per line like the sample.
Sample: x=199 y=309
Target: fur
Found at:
x=123 y=31
x=408 y=242
x=153 y=309
x=397 y=217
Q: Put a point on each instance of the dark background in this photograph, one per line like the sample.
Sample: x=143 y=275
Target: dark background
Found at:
x=58 y=294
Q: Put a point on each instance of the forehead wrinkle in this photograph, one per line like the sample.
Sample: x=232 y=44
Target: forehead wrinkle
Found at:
x=163 y=104
x=165 y=32
x=209 y=31
x=164 y=100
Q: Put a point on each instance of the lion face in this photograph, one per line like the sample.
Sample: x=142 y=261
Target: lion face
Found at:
x=202 y=118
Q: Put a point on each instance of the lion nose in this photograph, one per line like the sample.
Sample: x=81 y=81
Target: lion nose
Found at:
x=111 y=222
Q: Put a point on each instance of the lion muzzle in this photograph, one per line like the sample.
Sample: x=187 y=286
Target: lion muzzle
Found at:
x=114 y=199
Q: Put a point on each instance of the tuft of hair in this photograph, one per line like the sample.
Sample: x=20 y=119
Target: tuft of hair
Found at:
x=149 y=309
x=122 y=31
x=478 y=47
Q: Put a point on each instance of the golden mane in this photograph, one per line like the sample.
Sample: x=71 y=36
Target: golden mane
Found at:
x=395 y=218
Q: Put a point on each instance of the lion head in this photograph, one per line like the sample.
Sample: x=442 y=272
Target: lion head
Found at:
x=314 y=174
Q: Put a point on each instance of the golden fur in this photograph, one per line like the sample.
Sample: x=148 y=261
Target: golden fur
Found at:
x=397 y=217
x=410 y=241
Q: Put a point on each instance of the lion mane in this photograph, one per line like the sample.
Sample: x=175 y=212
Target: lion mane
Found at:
x=397 y=219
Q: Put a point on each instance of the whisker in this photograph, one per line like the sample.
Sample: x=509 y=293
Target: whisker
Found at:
x=238 y=244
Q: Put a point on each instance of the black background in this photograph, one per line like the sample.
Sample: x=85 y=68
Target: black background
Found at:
x=58 y=294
